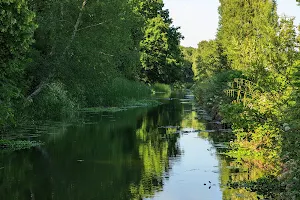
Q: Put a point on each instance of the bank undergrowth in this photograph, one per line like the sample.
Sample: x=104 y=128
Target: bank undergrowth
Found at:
x=266 y=137
x=261 y=103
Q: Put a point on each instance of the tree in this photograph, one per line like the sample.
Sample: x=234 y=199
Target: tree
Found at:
x=16 y=36
x=245 y=29
x=160 y=53
x=188 y=70
x=85 y=45
x=207 y=59
x=148 y=9
x=154 y=49
x=174 y=57
x=161 y=56
x=17 y=28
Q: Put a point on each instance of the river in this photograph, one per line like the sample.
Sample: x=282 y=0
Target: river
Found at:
x=158 y=153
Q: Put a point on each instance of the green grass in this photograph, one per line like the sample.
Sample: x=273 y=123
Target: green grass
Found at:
x=56 y=101
x=122 y=90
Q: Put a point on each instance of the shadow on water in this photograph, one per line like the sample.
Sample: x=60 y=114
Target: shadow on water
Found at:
x=141 y=153
x=102 y=156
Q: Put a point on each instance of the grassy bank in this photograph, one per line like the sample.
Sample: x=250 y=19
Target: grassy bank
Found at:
x=59 y=101
x=265 y=145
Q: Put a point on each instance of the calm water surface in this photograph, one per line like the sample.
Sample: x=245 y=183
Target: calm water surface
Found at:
x=141 y=153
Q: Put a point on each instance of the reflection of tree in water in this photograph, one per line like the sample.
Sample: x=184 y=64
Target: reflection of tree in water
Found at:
x=250 y=160
x=12 y=179
x=122 y=159
x=156 y=145
x=85 y=162
x=191 y=121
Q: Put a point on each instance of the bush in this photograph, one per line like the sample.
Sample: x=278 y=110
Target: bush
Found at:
x=290 y=177
x=210 y=92
x=161 y=88
x=122 y=90
x=16 y=36
x=53 y=101
x=6 y=116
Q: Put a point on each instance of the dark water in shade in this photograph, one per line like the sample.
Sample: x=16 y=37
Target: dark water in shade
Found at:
x=141 y=153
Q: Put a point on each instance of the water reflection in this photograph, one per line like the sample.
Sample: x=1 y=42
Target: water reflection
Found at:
x=143 y=153
x=103 y=156
x=157 y=142
x=236 y=173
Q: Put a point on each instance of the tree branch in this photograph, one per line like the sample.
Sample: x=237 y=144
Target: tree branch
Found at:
x=94 y=25
x=106 y=54
x=37 y=90
x=76 y=26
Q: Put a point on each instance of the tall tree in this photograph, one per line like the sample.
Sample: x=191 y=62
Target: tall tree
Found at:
x=161 y=56
x=207 y=60
x=154 y=49
x=148 y=8
x=85 y=45
x=188 y=70
x=245 y=31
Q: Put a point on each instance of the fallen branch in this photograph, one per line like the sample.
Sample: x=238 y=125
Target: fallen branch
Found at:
x=37 y=90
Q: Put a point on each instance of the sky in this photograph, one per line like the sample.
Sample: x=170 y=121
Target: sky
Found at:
x=198 y=19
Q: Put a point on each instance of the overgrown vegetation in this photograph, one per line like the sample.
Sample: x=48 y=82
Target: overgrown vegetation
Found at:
x=248 y=77
x=210 y=92
x=161 y=88
x=59 y=56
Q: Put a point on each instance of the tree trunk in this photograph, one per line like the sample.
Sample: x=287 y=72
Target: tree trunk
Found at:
x=76 y=26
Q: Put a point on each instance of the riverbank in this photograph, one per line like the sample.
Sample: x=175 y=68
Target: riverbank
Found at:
x=54 y=105
x=139 y=153
x=14 y=142
x=264 y=145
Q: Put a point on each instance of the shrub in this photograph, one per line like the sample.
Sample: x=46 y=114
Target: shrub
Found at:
x=210 y=92
x=53 y=101
x=122 y=90
x=160 y=87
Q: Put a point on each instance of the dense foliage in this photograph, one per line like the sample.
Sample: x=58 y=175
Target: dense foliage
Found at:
x=58 y=56
x=16 y=36
x=161 y=56
x=208 y=59
x=246 y=28
x=261 y=101
x=187 y=68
